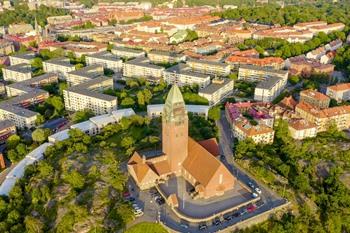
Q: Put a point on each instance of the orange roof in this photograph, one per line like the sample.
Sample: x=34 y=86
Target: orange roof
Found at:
x=325 y=113
x=314 y=94
x=340 y=87
x=255 y=61
x=300 y=124
x=211 y=145
x=202 y=165
x=253 y=130
x=161 y=168
x=288 y=102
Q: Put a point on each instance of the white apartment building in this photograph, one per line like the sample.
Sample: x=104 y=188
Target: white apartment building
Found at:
x=209 y=67
x=25 y=58
x=60 y=66
x=87 y=96
x=339 y=92
x=105 y=59
x=257 y=73
x=17 y=73
x=269 y=89
x=142 y=68
x=127 y=53
x=182 y=75
x=217 y=90
x=165 y=57
x=84 y=74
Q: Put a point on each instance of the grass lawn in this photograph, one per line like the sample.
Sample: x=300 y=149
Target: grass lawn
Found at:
x=146 y=227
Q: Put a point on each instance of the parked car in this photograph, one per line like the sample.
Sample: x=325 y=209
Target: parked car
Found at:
x=251 y=184
x=227 y=217
x=160 y=201
x=236 y=214
x=138 y=213
x=216 y=221
x=254 y=195
x=251 y=208
x=202 y=226
x=258 y=190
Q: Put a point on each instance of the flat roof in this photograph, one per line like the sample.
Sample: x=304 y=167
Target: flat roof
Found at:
x=129 y=50
x=91 y=71
x=26 y=55
x=144 y=62
x=268 y=83
x=213 y=63
x=213 y=87
x=59 y=136
x=84 y=126
x=119 y=114
x=266 y=69
x=104 y=55
x=6 y=124
x=102 y=120
x=21 y=68
x=185 y=70
x=61 y=61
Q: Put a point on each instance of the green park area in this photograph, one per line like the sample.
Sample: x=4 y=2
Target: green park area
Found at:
x=146 y=227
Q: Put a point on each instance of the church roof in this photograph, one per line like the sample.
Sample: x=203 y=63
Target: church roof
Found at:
x=211 y=145
x=202 y=165
x=173 y=102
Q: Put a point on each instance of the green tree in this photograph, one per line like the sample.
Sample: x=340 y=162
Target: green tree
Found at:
x=40 y=135
x=13 y=141
x=75 y=179
x=33 y=225
x=140 y=98
x=127 y=102
x=81 y=116
x=214 y=113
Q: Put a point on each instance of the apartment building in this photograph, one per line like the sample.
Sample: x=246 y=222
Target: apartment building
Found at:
x=323 y=118
x=339 y=92
x=165 y=57
x=88 y=95
x=258 y=127
x=60 y=66
x=257 y=73
x=141 y=67
x=127 y=53
x=300 y=65
x=6 y=47
x=243 y=129
x=217 y=90
x=7 y=128
x=300 y=129
x=268 y=89
x=269 y=62
x=84 y=74
x=27 y=86
x=17 y=73
x=22 y=58
x=105 y=59
x=209 y=67
x=25 y=94
x=315 y=98
x=182 y=75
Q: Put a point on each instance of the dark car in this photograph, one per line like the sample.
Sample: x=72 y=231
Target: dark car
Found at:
x=202 y=226
x=227 y=217
x=216 y=221
x=236 y=214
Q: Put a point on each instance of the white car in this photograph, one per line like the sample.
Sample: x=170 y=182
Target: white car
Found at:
x=254 y=195
x=138 y=213
x=258 y=190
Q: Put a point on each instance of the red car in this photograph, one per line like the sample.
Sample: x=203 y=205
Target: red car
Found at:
x=251 y=208
x=126 y=194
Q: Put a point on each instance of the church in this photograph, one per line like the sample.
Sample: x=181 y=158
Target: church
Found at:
x=181 y=156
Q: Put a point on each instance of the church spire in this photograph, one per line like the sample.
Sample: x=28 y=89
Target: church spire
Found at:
x=174 y=107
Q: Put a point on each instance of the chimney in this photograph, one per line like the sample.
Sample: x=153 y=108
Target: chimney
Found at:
x=143 y=159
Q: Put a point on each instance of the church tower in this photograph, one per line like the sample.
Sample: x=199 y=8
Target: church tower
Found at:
x=175 y=130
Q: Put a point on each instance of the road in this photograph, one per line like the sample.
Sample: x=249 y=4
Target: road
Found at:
x=226 y=144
